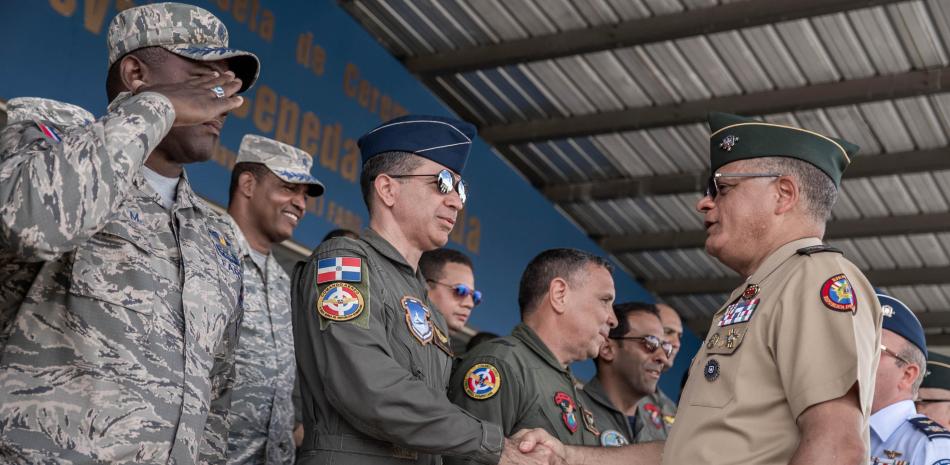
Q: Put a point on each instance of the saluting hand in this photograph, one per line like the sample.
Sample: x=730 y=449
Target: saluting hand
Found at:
x=195 y=100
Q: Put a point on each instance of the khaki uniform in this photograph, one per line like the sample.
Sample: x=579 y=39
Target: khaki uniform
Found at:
x=119 y=317
x=656 y=414
x=517 y=382
x=614 y=425
x=262 y=411
x=373 y=362
x=759 y=369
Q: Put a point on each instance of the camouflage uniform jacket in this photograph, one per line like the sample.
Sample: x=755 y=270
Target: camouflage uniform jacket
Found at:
x=374 y=390
x=118 y=318
x=262 y=412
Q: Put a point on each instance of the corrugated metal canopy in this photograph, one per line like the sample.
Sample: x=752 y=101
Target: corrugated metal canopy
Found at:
x=600 y=104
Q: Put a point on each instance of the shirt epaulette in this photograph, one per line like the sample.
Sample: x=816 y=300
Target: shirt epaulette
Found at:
x=929 y=427
x=817 y=249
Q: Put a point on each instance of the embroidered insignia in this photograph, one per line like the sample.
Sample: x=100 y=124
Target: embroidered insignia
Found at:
x=654 y=412
x=339 y=269
x=731 y=338
x=739 y=312
x=340 y=302
x=482 y=381
x=711 y=371
x=417 y=317
x=750 y=292
x=568 y=408
x=892 y=454
x=669 y=419
x=887 y=310
x=589 y=422
x=728 y=142
x=838 y=295
x=441 y=340
x=613 y=438
x=227 y=258
x=48 y=131
x=713 y=340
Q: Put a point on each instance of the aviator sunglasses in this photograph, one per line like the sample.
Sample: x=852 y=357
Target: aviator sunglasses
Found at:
x=650 y=343
x=445 y=180
x=712 y=185
x=462 y=290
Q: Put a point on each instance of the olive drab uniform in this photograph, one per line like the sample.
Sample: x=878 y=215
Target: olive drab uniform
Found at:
x=655 y=416
x=119 y=316
x=373 y=362
x=517 y=382
x=802 y=330
x=615 y=427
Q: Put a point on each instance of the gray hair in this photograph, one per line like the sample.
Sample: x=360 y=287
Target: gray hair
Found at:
x=385 y=163
x=817 y=189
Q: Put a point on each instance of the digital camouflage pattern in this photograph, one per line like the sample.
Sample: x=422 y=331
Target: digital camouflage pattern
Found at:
x=262 y=411
x=285 y=161
x=118 y=331
x=56 y=113
x=184 y=30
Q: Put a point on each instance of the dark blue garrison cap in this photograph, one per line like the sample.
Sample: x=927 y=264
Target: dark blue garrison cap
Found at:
x=899 y=319
x=446 y=141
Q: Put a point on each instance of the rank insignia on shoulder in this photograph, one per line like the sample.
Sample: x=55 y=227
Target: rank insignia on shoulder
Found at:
x=340 y=302
x=418 y=319
x=482 y=381
x=838 y=295
x=813 y=249
x=568 y=409
x=589 y=422
x=346 y=269
x=929 y=427
x=739 y=312
x=48 y=131
x=613 y=438
x=654 y=412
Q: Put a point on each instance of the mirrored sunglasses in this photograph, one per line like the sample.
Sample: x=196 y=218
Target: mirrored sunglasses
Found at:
x=445 y=181
x=650 y=343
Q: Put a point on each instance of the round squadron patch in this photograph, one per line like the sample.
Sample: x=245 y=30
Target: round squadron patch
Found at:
x=482 y=381
x=340 y=302
x=711 y=371
x=838 y=295
x=613 y=438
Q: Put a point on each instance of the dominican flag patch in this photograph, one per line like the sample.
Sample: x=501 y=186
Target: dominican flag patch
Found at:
x=345 y=269
x=739 y=312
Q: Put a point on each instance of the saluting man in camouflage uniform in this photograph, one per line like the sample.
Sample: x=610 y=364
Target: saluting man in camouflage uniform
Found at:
x=268 y=196
x=119 y=340
x=372 y=354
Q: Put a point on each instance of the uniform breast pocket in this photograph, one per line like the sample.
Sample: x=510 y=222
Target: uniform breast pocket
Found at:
x=716 y=367
x=113 y=278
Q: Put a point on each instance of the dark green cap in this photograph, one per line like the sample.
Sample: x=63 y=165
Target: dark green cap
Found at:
x=938 y=371
x=734 y=138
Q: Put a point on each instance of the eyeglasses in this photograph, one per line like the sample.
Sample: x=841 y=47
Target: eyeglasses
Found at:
x=462 y=291
x=712 y=186
x=446 y=182
x=650 y=343
x=893 y=354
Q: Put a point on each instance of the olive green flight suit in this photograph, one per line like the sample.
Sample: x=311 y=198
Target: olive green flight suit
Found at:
x=516 y=381
x=614 y=425
x=373 y=388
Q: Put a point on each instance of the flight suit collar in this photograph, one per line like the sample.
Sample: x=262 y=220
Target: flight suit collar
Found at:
x=383 y=247
x=595 y=390
x=525 y=334
x=245 y=247
x=886 y=421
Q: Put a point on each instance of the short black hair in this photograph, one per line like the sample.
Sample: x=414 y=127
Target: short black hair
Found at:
x=257 y=169
x=432 y=262
x=385 y=163
x=550 y=264
x=340 y=233
x=622 y=310
x=151 y=56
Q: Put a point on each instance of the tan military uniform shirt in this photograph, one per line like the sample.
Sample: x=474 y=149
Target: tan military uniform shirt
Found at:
x=759 y=370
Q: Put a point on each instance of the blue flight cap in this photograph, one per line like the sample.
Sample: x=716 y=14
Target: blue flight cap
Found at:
x=899 y=319
x=446 y=141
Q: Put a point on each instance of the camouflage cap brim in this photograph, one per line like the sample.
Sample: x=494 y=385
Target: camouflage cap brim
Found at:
x=315 y=189
x=245 y=65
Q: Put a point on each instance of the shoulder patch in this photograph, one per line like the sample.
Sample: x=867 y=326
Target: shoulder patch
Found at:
x=929 y=427
x=48 y=131
x=346 y=269
x=340 y=302
x=613 y=438
x=838 y=295
x=568 y=410
x=419 y=319
x=482 y=381
x=817 y=249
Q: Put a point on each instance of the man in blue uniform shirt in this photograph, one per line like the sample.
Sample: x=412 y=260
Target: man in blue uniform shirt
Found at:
x=899 y=435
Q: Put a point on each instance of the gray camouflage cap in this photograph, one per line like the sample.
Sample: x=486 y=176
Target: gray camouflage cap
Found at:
x=285 y=161
x=59 y=114
x=184 y=30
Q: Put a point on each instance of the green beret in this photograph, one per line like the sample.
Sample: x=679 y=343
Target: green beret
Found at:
x=734 y=138
x=938 y=371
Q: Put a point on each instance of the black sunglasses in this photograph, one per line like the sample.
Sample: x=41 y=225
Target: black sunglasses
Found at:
x=446 y=182
x=650 y=343
x=463 y=291
x=712 y=185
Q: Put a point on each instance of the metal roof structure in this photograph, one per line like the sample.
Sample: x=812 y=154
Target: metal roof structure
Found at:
x=601 y=104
